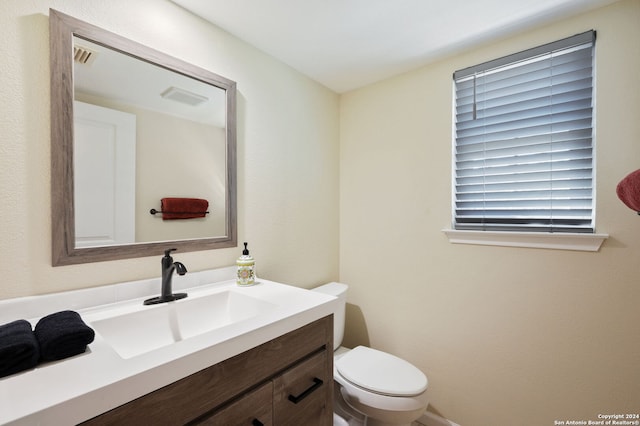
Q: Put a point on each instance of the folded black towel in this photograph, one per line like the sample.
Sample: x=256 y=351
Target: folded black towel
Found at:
x=62 y=335
x=18 y=347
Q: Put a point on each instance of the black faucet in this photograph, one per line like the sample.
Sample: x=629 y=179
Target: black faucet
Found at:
x=168 y=266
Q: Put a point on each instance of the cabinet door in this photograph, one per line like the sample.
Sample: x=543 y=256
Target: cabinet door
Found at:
x=253 y=409
x=302 y=395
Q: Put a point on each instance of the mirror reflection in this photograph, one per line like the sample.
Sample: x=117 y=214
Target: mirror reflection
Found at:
x=134 y=130
x=143 y=133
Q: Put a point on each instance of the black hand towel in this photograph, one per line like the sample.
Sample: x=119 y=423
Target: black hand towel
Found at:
x=18 y=347
x=62 y=335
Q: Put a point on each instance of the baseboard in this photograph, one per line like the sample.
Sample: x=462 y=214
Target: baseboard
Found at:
x=430 y=419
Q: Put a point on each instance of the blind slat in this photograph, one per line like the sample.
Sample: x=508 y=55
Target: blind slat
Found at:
x=523 y=140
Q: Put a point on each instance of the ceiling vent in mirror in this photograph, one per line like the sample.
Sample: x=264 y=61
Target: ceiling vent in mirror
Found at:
x=183 y=96
x=83 y=55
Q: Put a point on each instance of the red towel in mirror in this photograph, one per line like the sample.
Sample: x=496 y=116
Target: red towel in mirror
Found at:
x=183 y=208
x=628 y=190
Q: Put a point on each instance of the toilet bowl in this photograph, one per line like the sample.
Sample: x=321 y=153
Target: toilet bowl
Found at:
x=374 y=388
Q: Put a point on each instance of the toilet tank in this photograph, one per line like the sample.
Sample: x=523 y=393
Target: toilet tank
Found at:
x=338 y=290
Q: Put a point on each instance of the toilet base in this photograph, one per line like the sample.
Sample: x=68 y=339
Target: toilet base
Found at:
x=339 y=420
x=343 y=410
x=373 y=422
x=353 y=417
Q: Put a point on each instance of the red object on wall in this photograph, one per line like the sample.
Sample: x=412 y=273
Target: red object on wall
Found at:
x=183 y=208
x=628 y=191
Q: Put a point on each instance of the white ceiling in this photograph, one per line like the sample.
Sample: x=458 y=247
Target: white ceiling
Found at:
x=346 y=44
x=143 y=86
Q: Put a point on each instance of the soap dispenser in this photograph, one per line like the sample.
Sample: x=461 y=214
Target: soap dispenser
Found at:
x=246 y=272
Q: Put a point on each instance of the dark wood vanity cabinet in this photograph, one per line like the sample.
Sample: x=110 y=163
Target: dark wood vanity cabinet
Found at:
x=255 y=408
x=299 y=394
x=286 y=381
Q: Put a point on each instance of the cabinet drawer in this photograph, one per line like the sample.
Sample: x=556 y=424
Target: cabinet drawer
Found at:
x=303 y=394
x=253 y=409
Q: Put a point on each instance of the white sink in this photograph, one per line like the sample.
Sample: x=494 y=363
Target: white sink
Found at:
x=133 y=342
x=148 y=328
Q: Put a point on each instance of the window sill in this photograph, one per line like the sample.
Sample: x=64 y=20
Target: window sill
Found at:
x=556 y=241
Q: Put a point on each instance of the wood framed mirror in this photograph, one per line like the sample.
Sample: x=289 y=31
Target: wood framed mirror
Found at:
x=182 y=144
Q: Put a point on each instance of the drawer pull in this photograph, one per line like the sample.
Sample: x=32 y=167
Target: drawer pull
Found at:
x=316 y=384
x=256 y=422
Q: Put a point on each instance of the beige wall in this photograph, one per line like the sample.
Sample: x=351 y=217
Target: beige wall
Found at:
x=162 y=141
x=199 y=150
x=506 y=336
x=287 y=150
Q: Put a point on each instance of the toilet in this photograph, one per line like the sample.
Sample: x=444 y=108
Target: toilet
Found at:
x=372 y=388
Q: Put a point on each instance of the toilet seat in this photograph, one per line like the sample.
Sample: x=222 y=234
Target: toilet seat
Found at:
x=393 y=376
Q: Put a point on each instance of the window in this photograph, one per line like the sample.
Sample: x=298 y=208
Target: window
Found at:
x=524 y=141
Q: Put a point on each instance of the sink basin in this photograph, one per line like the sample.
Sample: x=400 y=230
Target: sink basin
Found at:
x=152 y=327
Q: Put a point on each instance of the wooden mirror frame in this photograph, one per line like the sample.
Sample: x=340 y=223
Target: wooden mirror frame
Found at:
x=62 y=29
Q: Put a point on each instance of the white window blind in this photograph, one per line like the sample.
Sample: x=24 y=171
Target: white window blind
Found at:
x=524 y=140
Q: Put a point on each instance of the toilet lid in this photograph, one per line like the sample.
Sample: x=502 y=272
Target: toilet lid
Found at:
x=381 y=372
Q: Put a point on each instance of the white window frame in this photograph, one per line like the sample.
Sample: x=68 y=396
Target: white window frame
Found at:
x=529 y=233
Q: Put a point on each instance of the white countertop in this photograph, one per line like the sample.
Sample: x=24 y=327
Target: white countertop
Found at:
x=78 y=388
